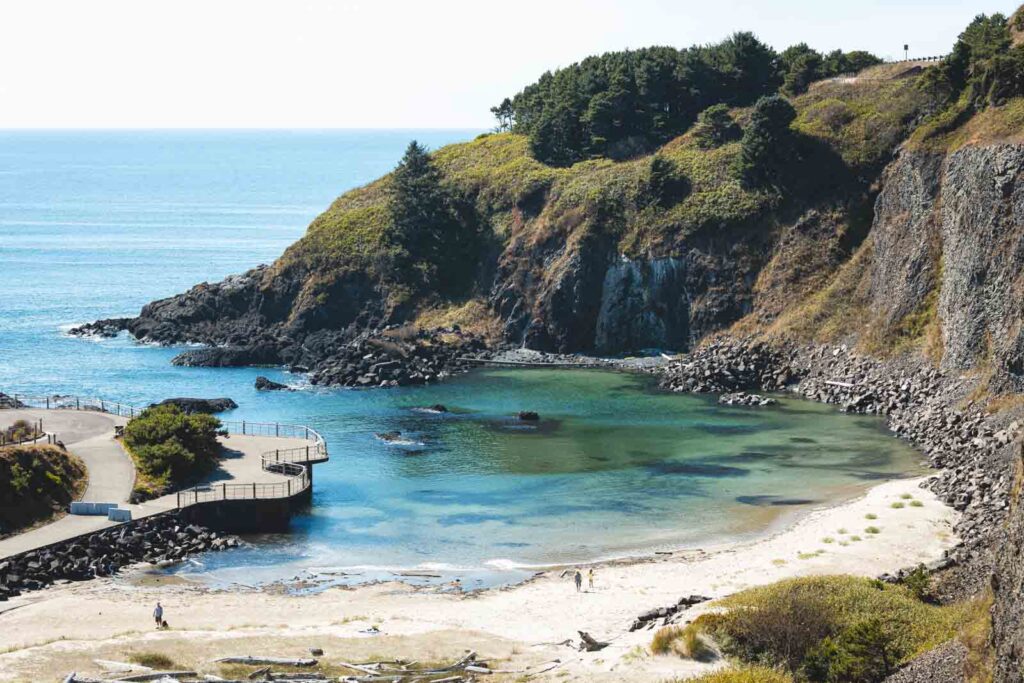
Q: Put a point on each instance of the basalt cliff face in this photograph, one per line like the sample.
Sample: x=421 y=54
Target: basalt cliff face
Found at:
x=948 y=241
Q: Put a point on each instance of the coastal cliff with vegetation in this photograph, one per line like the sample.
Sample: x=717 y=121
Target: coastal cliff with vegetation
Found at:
x=667 y=198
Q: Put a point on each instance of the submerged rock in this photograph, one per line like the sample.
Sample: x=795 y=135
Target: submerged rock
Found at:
x=528 y=416
x=742 y=398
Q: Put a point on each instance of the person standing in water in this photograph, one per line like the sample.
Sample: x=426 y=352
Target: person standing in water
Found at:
x=578 y=578
x=590 y=579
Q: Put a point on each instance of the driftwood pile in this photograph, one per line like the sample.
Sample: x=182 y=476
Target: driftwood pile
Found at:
x=465 y=670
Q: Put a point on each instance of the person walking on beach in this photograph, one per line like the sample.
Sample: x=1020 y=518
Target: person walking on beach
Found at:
x=590 y=578
x=158 y=615
x=578 y=578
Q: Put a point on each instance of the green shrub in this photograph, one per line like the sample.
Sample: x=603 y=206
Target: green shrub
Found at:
x=154 y=660
x=871 y=515
x=168 y=444
x=917 y=582
x=872 y=530
x=829 y=624
x=36 y=483
x=744 y=674
x=865 y=652
x=916 y=504
x=715 y=127
x=898 y=505
x=665 y=185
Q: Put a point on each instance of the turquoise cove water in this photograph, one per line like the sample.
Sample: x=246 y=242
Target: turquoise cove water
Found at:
x=95 y=225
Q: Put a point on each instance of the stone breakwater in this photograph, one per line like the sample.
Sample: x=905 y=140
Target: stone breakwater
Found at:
x=973 y=449
x=159 y=540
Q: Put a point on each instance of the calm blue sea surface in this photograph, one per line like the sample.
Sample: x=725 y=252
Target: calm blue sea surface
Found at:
x=96 y=224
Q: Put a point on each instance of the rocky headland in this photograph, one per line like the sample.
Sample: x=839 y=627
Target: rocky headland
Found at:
x=880 y=271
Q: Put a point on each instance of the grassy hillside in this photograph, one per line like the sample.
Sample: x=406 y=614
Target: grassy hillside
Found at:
x=36 y=484
x=848 y=131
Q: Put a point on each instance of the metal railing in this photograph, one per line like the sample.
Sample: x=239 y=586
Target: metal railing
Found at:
x=314 y=452
x=292 y=463
x=59 y=402
x=296 y=482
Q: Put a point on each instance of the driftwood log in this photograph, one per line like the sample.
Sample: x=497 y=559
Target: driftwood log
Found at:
x=157 y=675
x=589 y=644
x=283 y=661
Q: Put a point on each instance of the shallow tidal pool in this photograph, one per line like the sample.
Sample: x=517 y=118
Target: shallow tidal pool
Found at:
x=613 y=468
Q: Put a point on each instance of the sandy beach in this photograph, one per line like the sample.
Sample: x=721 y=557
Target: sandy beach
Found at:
x=47 y=634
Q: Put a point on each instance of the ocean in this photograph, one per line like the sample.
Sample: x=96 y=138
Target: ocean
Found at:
x=96 y=224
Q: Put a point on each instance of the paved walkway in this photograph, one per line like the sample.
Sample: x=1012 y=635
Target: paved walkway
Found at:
x=111 y=473
x=90 y=436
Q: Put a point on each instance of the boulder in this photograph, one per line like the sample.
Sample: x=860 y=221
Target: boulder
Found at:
x=264 y=384
x=200 y=405
x=528 y=416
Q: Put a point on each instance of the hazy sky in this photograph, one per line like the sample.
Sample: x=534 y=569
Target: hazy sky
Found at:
x=385 y=64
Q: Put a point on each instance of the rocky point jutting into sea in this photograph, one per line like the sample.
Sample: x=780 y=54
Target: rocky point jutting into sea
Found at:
x=876 y=265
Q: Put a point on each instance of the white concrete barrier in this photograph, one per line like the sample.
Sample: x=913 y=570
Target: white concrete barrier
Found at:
x=82 y=508
x=118 y=515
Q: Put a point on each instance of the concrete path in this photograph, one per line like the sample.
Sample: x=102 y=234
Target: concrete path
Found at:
x=90 y=436
x=111 y=473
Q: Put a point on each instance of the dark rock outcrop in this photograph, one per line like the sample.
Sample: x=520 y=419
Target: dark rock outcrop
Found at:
x=200 y=405
x=264 y=384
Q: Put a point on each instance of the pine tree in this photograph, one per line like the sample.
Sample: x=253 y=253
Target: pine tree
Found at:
x=715 y=127
x=768 y=145
x=422 y=220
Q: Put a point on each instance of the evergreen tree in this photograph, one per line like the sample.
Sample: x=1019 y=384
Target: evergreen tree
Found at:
x=768 y=144
x=715 y=127
x=504 y=114
x=423 y=223
x=805 y=69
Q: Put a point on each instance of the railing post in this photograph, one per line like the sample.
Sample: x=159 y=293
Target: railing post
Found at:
x=277 y=429
x=254 y=490
x=78 y=403
x=289 y=487
x=307 y=451
x=224 y=491
x=47 y=402
x=243 y=427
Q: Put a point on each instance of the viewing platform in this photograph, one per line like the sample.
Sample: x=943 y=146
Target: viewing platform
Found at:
x=264 y=475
